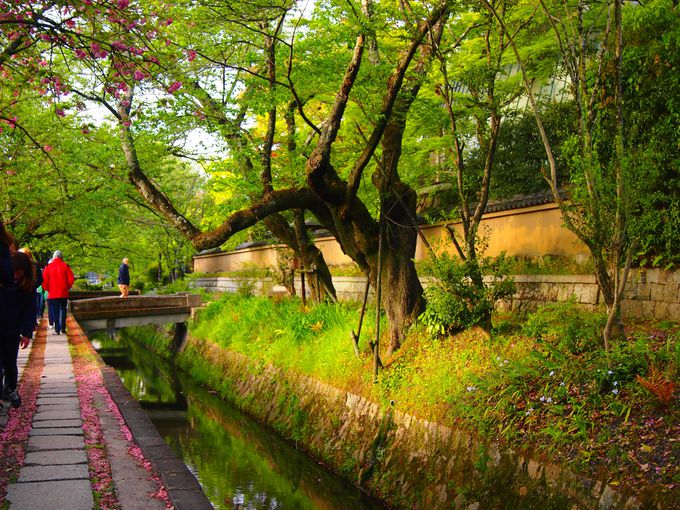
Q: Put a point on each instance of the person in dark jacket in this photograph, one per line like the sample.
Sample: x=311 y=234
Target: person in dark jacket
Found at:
x=124 y=278
x=57 y=280
x=6 y=281
x=17 y=320
x=37 y=276
x=6 y=246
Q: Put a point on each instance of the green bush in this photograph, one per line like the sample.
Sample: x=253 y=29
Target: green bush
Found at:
x=82 y=284
x=455 y=302
x=573 y=328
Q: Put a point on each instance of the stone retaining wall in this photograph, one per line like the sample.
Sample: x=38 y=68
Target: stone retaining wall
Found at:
x=650 y=292
x=410 y=463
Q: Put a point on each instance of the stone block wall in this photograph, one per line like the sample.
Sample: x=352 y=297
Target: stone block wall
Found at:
x=533 y=291
x=653 y=293
x=650 y=292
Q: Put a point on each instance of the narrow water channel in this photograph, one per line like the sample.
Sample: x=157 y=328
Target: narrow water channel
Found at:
x=239 y=463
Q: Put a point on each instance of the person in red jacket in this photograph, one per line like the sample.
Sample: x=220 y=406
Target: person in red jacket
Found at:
x=57 y=280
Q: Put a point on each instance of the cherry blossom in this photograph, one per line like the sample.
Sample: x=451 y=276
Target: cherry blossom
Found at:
x=174 y=87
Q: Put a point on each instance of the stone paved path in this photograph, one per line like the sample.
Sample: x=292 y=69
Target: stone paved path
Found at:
x=55 y=472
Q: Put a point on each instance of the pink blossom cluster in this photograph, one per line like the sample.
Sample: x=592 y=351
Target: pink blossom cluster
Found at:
x=174 y=87
x=12 y=123
x=75 y=27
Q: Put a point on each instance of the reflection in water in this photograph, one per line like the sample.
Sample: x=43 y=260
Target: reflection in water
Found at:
x=239 y=463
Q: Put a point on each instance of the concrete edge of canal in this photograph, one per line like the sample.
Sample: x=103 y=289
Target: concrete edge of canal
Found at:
x=183 y=489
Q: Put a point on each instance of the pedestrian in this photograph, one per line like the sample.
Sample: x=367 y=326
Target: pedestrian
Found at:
x=41 y=302
x=6 y=277
x=50 y=314
x=124 y=278
x=6 y=247
x=57 y=280
x=38 y=278
x=17 y=320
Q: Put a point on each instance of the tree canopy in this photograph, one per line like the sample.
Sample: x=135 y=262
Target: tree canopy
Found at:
x=143 y=126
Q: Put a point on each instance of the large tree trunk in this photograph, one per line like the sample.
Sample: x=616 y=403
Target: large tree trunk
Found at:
x=310 y=256
x=402 y=293
x=333 y=200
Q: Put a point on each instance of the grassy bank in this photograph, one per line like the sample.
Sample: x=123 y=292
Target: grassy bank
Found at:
x=540 y=382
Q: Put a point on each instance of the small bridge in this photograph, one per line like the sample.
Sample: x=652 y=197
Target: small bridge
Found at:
x=104 y=313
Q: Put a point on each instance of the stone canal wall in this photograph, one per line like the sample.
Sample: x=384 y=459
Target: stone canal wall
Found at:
x=408 y=462
x=650 y=292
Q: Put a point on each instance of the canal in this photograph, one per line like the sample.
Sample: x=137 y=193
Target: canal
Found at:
x=239 y=463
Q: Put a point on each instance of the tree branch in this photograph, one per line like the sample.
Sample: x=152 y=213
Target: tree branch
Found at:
x=393 y=89
x=275 y=202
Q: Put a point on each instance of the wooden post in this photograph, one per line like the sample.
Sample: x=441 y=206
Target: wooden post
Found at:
x=304 y=291
x=378 y=297
x=355 y=336
x=319 y=290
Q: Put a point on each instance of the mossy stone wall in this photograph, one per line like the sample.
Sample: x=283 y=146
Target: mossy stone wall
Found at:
x=408 y=462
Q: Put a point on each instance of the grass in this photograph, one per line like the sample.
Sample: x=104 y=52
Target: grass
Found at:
x=314 y=341
x=542 y=380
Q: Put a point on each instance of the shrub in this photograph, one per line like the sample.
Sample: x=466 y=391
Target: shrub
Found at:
x=455 y=302
x=82 y=284
x=284 y=270
x=573 y=328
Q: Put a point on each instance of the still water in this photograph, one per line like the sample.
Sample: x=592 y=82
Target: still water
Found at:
x=239 y=463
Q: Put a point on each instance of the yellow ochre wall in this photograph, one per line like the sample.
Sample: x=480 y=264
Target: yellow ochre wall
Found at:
x=527 y=232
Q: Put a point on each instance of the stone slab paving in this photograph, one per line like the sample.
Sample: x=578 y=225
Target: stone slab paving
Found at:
x=65 y=494
x=68 y=405
x=53 y=392
x=48 y=424
x=55 y=471
x=58 y=414
x=59 y=431
x=55 y=457
x=54 y=400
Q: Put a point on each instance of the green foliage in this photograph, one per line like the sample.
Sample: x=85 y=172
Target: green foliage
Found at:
x=520 y=158
x=564 y=323
x=543 y=383
x=185 y=284
x=314 y=340
x=247 y=276
x=652 y=110
x=82 y=284
x=283 y=273
x=457 y=299
x=551 y=396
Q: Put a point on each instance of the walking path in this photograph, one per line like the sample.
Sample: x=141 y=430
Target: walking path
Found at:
x=55 y=472
x=79 y=441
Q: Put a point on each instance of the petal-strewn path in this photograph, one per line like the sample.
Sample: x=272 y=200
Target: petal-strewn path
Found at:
x=70 y=446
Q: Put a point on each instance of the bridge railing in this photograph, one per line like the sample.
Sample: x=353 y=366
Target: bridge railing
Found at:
x=116 y=312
